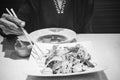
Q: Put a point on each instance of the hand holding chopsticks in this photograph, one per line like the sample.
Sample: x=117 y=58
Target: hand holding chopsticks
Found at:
x=9 y=24
x=12 y=13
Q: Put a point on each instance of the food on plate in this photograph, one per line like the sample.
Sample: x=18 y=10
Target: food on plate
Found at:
x=64 y=59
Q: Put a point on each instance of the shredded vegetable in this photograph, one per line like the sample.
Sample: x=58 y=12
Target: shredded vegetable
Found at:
x=63 y=60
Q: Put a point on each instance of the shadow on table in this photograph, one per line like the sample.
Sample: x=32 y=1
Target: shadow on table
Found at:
x=90 y=76
x=8 y=48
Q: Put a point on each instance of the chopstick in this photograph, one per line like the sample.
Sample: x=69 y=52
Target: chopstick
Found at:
x=9 y=12
x=12 y=13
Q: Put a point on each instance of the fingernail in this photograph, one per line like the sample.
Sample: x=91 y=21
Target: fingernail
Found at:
x=22 y=24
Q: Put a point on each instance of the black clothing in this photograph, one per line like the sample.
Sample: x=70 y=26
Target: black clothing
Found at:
x=40 y=14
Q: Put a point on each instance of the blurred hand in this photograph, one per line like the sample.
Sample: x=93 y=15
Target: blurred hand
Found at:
x=11 y=25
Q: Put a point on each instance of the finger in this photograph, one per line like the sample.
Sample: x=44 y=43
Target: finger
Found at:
x=8 y=27
x=8 y=31
x=8 y=24
x=14 y=20
x=1 y=26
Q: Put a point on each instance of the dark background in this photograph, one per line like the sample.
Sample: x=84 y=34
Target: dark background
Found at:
x=106 y=17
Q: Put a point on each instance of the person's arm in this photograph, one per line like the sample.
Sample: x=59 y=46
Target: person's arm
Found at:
x=83 y=15
x=89 y=16
x=10 y=25
x=28 y=13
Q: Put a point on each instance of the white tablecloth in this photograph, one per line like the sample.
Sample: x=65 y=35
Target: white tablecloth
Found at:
x=106 y=51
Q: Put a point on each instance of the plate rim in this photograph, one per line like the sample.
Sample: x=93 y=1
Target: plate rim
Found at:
x=97 y=68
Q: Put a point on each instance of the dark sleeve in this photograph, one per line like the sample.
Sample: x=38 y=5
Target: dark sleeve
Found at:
x=88 y=16
x=27 y=14
x=83 y=15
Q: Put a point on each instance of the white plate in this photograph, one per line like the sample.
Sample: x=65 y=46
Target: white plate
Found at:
x=34 y=70
x=66 y=33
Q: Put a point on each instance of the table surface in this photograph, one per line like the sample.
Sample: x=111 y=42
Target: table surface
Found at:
x=106 y=49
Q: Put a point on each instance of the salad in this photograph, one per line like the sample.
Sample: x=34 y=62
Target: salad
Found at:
x=63 y=60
